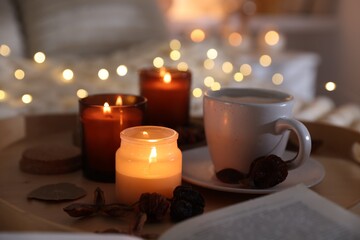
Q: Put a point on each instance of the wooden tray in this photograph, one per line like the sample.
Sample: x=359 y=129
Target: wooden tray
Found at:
x=333 y=149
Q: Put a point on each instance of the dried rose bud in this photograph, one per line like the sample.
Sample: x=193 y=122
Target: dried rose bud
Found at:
x=154 y=205
x=266 y=172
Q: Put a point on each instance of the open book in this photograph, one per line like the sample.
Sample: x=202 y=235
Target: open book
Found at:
x=295 y=213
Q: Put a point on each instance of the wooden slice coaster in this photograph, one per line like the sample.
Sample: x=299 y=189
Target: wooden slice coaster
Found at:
x=51 y=159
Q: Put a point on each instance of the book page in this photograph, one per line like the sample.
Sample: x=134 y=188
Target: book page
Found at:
x=295 y=213
x=63 y=236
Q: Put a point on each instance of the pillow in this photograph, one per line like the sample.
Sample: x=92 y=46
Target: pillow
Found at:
x=10 y=31
x=89 y=27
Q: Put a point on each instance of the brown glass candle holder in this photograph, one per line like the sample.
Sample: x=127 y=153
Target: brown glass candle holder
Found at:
x=168 y=94
x=102 y=118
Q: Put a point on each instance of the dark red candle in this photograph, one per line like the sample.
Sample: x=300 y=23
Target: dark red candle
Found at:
x=168 y=94
x=103 y=117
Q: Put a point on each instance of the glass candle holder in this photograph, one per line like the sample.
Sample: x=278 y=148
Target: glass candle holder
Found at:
x=148 y=161
x=102 y=119
x=168 y=94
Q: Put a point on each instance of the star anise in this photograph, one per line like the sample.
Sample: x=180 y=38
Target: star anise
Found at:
x=98 y=207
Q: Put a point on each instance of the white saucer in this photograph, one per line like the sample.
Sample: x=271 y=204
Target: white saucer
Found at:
x=198 y=169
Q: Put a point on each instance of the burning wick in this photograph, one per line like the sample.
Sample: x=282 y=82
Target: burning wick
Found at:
x=167 y=78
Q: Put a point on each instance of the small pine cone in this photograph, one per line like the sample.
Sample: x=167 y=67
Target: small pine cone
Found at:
x=187 y=193
x=186 y=203
x=266 y=172
x=154 y=205
x=180 y=210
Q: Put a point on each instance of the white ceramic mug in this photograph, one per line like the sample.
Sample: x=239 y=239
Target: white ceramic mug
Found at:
x=242 y=124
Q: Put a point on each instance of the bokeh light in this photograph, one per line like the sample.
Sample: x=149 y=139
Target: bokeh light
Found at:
x=227 y=67
x=277 y=79
x=208 y=81
x=68 y=74
x=26 y=98
x=5 y=50
x=265 y=60
x=158 y=62
x=103 y=74
x=19 y=74
x=216 y=86
x=2 y=95
x=82 y=93
x=197 y=35
x=238 y=77
x=182 y=66
x=197 y=92
x=212 y=53
x=175 y=55
x=121 y=70
x=330 y=86
x=175 y=44
x=272 y=38
x=209 y=64
x=39 y=57
x=235 y=39
x=246 y=69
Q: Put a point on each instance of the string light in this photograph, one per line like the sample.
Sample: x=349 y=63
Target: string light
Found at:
x=245 y=69
x=265 y=60
x=121 y=70
x=175 y=44
x=103 y=74
x=39 y=57
x=272 y=38
x=82 y=93
x=209 y=64
x=2 y=95
x=209 y=81
x=19 y=74
x=175 y=55
x=158 y=62
x=197 y=92
x=238 y=77
x=227 y=67
x=26 y=98
x=68 y=74
x=330 y=86
x=212 y=53
x=5 y=50
x=182 y=66
x=277 y=78
x=235 y=39
x=215 y=86
x=197 y=35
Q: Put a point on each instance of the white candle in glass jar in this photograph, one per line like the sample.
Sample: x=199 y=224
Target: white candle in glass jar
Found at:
x=148 y=161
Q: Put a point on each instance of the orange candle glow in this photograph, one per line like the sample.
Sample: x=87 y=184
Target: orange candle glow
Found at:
x=168 y=94
x=148 y=161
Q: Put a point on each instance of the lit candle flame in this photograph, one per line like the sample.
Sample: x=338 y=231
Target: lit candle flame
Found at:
x=119 y=101
x=106 y=108
x=145 y=134
x=167 y=78
x=153 y=155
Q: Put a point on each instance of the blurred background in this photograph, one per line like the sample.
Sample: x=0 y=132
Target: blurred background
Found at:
x=54 y=52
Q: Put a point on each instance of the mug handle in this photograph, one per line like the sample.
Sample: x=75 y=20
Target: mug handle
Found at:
x=303 y=137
